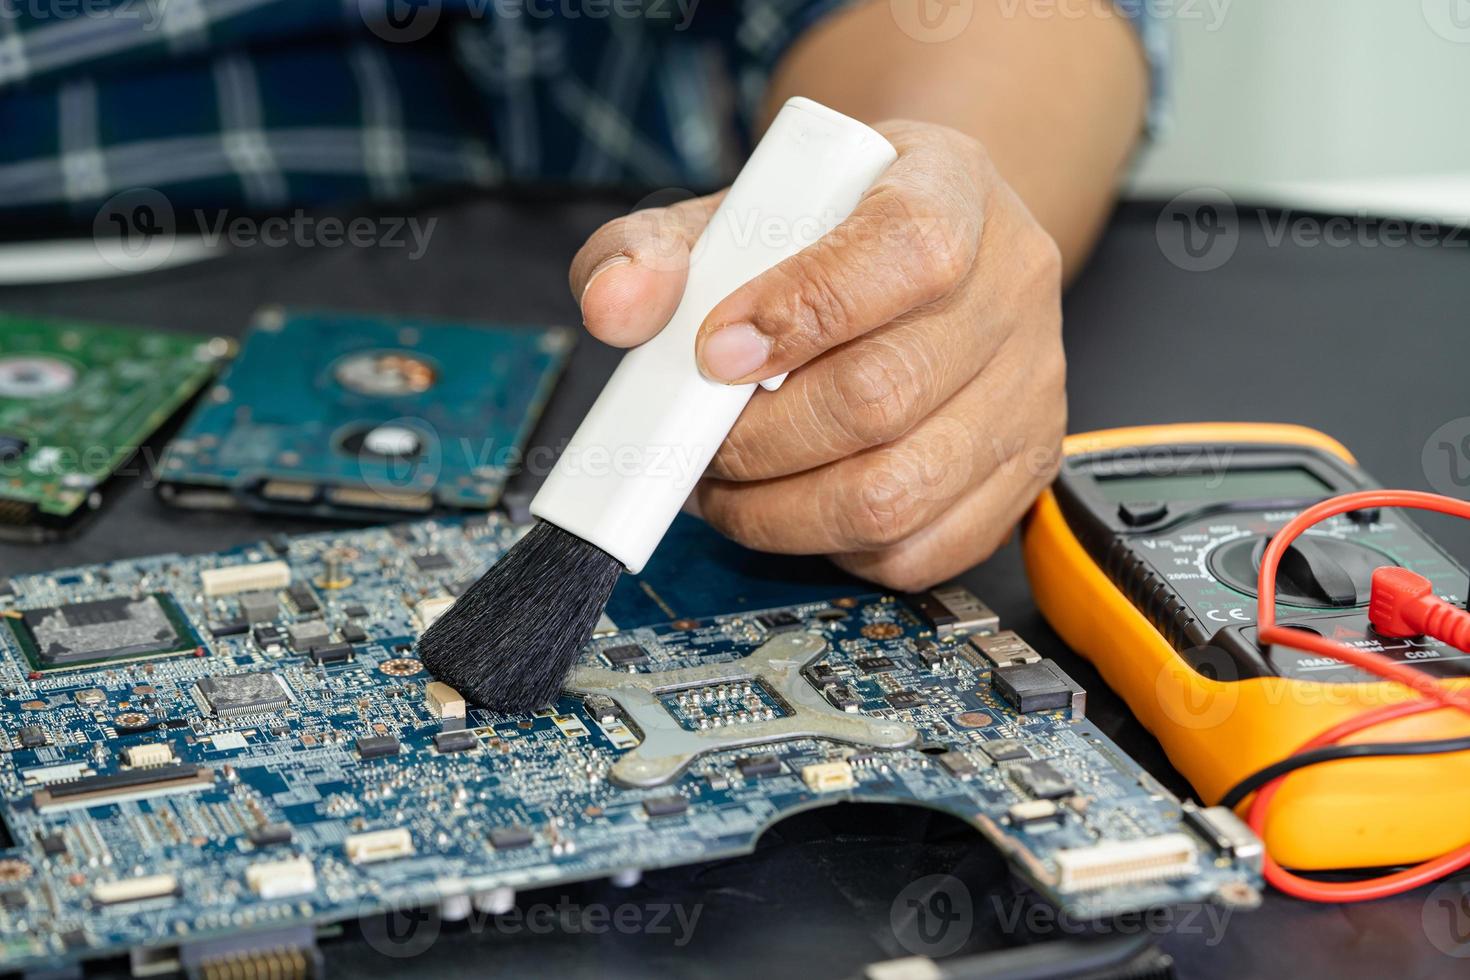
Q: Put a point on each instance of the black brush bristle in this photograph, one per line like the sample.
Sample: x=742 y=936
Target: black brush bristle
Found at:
x=509 y=640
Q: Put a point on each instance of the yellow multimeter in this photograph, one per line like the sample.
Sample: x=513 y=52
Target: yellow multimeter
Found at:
x=1143 y=557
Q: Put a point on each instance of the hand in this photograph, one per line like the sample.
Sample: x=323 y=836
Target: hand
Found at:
x=926 y=403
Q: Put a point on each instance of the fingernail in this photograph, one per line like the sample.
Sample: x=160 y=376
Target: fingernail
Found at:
x=611 y=262
x=734 y=351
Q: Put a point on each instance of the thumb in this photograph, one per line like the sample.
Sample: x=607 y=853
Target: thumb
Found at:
x=629 y=276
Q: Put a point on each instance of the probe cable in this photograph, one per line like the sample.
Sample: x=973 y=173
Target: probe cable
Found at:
x=1427 y=613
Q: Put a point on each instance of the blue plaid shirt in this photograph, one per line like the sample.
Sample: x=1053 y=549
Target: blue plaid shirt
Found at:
x=268 y=103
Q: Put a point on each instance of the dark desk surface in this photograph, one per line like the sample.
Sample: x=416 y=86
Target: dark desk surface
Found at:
x=1366 y=343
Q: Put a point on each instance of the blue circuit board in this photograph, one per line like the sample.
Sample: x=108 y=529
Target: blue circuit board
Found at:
x=235 y=748
x=348 y=415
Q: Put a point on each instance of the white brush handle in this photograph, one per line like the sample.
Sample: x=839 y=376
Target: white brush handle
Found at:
x=657 y=424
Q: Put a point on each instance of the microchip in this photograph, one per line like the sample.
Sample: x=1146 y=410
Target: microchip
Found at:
x=331 y=653
x=758 y=765
x=13 y=899
x=432 y=562
x=270 y=835
x=455 y=741
x=1040 y=779
x=1005 y=750
x=874 y=665
x=511 y=838
x=628 y=655
x=31 y=736
x=907 y=699
x=303 y=598
x=268 y=636
x=101 y=629
x=243 y=694
x=352 y=633
x=229 y=627
x=53 y=844
x=665 y=806
x=356 y=611
x=842 y=698
x=957 y=763
x=376 y=746
x=822 y=676
x=931 y=654
x=259 y=607
x=778 y=622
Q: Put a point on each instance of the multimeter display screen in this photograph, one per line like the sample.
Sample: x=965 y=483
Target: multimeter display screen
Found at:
x=1213 y=486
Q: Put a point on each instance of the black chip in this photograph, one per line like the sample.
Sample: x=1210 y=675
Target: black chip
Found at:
x=432 y=562
x=874 y=665
x=279 y=543
x=758 y=765
x=377 y=746
x=957 y=763
x=627 y=655
x=931 y=654
x=1039 y=686
x=511 y=838
x=176 y=723
x=778 y=622
x=356 y=611
x=455 y=741
x=822 y=676
x=303 y=598
x=665 y=806
x=460 y=587
x=14 y=899
x=842 y=697
x=53 y=844
x=332 y=653
x=100 y=629
x=74 y=938
x=1040 y=779
x=270 y=835
x=232 y=627
x=1005 y=750
x=31 y=737
x=268 y=636
x=907 y=699
x=353 y=633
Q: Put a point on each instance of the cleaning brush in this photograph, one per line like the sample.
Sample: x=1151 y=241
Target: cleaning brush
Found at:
x=510 y=639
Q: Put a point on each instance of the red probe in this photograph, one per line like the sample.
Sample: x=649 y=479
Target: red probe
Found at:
x=1403 y=603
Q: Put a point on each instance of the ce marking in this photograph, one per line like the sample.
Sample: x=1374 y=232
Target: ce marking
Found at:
x=1221 y=616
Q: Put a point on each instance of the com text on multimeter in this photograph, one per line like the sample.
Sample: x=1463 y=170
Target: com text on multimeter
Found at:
x=1143 y=556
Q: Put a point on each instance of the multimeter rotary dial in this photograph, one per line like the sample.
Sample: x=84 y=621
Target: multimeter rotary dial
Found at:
x=1317 y=571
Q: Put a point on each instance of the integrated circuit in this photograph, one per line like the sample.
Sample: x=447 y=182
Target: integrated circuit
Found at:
x=79 y=633
x=243 y=694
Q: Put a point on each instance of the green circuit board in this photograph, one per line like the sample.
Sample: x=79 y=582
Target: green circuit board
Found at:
x=214 y=756
x=76 y=402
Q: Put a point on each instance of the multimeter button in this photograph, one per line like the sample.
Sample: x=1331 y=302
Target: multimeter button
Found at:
x=1142 y=512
